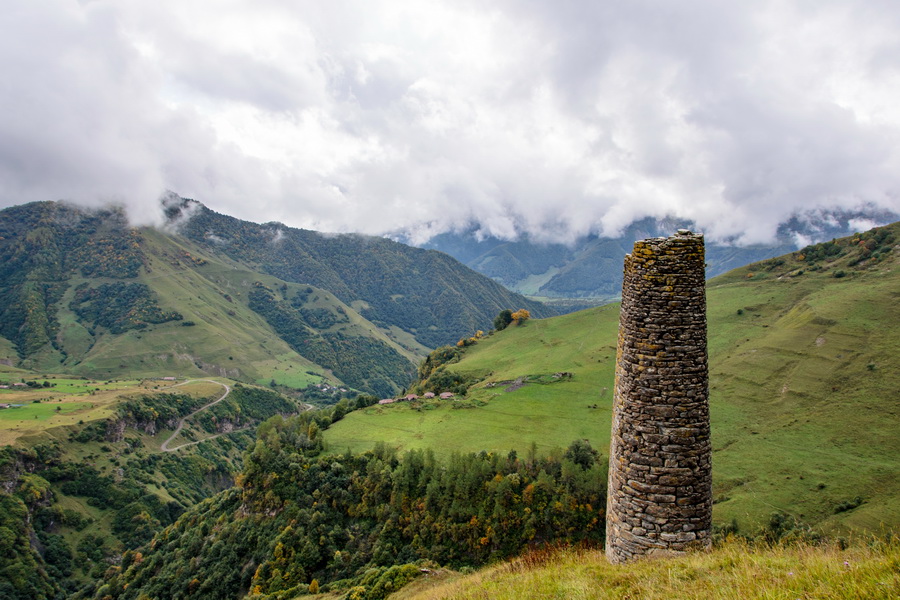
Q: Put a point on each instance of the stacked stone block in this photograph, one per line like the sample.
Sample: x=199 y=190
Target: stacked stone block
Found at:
x=660 y=477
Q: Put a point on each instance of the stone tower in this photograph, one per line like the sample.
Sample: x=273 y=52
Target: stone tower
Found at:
x=660 y=477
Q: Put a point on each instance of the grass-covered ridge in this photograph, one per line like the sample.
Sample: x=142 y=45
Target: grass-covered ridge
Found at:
x=803 y=393
x=733 y=569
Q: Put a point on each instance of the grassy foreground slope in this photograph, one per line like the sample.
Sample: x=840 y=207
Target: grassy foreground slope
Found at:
x=804 y=388
x=733 y=570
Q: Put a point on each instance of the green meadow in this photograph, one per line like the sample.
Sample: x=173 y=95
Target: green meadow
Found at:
x=803 y=393
x=41 y=411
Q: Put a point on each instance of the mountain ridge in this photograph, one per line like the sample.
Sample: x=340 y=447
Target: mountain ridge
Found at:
x=587 y=270
x=84 y=292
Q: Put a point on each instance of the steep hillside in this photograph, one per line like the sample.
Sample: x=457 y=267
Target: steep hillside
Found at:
x=803 y=391
x=425 y=293
x=732 y=570
x=83 y=293
x=89 y=469
x=299 y=521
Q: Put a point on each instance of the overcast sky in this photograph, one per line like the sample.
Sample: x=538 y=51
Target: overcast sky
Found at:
x=558 y=118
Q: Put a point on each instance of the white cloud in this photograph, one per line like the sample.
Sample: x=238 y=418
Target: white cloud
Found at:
x=558 y=119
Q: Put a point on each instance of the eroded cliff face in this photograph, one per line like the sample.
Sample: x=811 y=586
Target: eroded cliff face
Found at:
x=660 y=477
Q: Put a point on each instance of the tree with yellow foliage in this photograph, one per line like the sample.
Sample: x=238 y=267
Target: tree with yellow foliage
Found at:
x=520 y=316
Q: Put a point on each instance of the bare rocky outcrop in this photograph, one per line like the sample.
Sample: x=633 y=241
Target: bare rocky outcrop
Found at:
x=115 y=428
x=660 y=477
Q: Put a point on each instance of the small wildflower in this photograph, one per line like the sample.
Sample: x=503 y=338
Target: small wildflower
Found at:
x=846 y=563
x=790 y=573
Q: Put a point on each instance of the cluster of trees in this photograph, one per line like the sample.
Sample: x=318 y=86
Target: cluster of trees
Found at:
x=432 y=373
x=120 y=306
x=870 y=244
x=304 y=517
x=434 y=377
x=28 y=314
x=116 y=253
x=317 y=317
x=361 y=362
x=243 y=406
x=875 y=244
x=506 y=317
x=868 y=247
x=162 y=410
x=818 y=252
x=464 y=342
x=23 y=575
x=54 y=566
x=324 y=397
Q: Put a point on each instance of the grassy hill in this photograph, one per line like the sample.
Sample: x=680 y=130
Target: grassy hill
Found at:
x=803 y=388
x=732 y=570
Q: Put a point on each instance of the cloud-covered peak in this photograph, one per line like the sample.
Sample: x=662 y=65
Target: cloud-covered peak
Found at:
x=554 y=119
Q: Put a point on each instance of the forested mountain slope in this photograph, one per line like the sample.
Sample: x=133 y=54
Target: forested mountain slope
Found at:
x=97 y=468
x=426 y=293
x=299 y=521
x=82 y=292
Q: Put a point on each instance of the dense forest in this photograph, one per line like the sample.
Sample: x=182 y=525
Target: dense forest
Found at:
x=299 y=519
x=119 y=306
x=363 y=363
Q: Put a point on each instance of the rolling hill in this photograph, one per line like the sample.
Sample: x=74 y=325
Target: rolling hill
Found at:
x=803 y=388
x=81 y=292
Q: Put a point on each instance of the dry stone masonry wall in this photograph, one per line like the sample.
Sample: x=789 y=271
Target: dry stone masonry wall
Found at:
x=660 y=478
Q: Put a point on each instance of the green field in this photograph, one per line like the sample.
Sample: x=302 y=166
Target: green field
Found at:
x=803 y=393
x=551 y=415
x=63 y=385
x=41 y=411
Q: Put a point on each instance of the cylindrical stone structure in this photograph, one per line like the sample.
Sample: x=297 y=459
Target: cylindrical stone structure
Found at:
x=660 y=477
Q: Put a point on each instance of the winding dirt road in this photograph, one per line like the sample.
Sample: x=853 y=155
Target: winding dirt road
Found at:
x=165 y=445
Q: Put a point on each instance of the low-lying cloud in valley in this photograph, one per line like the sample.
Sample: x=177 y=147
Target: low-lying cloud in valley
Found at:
x=557 y=119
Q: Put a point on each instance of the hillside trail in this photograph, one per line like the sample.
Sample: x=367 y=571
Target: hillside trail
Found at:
x=165 y=445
